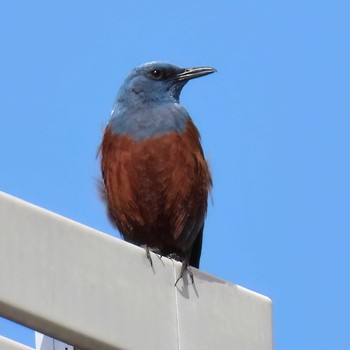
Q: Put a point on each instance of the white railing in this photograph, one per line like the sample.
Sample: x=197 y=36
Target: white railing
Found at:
x=94 y=291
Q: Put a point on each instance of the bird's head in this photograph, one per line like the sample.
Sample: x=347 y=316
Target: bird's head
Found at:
x=157 y=82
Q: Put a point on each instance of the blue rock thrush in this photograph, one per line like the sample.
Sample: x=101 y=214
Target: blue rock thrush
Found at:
x=156 y=180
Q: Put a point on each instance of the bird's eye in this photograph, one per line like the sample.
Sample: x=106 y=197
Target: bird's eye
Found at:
x=157 y=74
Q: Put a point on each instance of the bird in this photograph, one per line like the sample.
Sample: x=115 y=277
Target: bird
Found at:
x=155 y=179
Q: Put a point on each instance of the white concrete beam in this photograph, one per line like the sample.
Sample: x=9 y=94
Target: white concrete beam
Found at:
x=94 y=291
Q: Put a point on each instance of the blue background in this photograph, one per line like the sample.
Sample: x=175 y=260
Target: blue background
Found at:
x=274 y=122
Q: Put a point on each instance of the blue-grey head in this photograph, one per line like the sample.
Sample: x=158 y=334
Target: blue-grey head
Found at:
x=157 y=82
x=148 y=101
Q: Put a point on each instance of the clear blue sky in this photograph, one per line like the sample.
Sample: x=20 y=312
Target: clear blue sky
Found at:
x=274 y=120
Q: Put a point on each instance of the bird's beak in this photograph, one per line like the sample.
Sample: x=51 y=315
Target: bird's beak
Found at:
x=190 y=73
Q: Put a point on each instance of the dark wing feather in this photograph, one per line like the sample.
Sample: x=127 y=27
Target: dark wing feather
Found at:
x=197 y=249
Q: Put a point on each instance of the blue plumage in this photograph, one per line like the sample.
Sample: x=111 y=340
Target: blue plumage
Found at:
x=154 y=121
x=147 y=104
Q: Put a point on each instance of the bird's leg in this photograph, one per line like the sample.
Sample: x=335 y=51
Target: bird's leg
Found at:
x=185 y=267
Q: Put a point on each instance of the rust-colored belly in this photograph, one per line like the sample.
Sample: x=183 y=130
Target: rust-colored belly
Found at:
x=156 y=189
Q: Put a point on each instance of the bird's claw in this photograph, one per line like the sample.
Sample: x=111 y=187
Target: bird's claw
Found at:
x=153 y=250
x=184 y=268
x=148 y=254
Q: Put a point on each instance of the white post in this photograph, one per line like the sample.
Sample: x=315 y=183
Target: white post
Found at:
x=44 y=342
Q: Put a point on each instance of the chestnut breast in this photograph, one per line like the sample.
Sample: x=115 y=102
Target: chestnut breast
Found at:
x=156 y=188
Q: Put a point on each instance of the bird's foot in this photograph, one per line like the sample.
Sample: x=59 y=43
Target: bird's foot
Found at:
x=153 y=250
x=185 y=267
